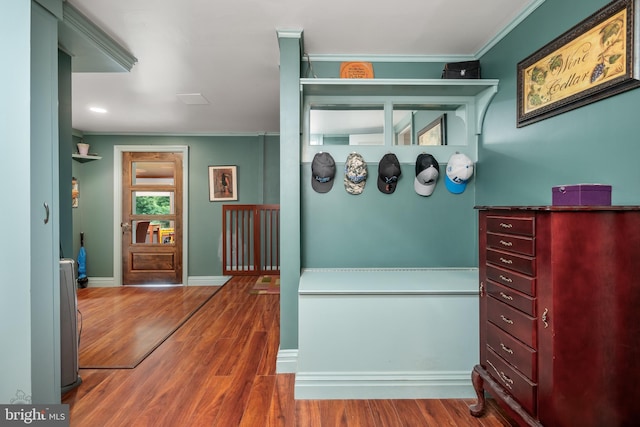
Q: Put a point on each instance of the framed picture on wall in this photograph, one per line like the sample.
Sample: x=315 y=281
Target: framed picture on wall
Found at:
x=593 y=60
x=434 y=133
x=223 y=183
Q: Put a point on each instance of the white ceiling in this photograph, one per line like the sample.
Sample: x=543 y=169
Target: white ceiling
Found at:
x=227 y=51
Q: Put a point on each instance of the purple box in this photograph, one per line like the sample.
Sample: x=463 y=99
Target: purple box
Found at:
x=581 y=195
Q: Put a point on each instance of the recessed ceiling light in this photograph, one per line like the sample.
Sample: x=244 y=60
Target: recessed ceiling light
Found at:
x=98 y=110
x=192 y=98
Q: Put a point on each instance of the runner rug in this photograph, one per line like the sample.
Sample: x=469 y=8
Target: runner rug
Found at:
x=120 y=326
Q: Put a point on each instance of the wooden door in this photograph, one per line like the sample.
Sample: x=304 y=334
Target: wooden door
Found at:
x=151 y=218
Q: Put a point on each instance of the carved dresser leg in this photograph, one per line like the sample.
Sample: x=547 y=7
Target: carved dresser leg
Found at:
x=477 y=410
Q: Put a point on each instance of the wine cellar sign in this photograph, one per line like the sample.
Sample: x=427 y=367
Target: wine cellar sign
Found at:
x=593 y=60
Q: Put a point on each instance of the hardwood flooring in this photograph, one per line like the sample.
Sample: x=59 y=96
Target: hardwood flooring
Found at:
x=218 y=369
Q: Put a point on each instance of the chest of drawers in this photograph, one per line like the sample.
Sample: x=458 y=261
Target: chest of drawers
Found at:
x=559 y=292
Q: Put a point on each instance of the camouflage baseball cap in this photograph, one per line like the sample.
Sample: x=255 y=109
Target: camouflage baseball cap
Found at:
x=355 y=173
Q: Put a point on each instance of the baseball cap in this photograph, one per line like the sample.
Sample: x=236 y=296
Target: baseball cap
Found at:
x=323 y=170
x=427 y=171
x=388 y=173
x=355 y=173
x=459 y=170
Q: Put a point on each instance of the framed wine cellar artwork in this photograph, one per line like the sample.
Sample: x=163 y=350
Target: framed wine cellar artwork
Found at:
x=593 y=60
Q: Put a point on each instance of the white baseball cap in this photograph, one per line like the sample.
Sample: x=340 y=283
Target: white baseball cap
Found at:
x=459 y=171
x=427 y=171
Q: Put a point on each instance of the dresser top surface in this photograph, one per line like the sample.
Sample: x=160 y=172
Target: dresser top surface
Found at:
x=560 y=208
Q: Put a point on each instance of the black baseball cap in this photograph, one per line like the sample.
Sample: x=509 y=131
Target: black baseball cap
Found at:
x=388 y=173
x=323 y=170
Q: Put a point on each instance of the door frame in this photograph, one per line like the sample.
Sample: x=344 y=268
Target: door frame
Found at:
x=117 y=203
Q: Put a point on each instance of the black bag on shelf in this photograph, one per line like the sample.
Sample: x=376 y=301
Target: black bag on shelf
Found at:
x=461 y=70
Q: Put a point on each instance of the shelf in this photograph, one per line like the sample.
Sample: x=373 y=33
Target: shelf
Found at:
x=397 y=87
x=85 y=158
x=470 y=98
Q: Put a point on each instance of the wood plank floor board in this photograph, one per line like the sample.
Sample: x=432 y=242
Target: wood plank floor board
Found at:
x=359 y=413
x=459 y=411
x=308 y=413
x=218 y=369
x=333 y=413
x=266 y=365
x=435 y=413
x=205 y=404
x=384 y=413
x=282 y=411
x=409 y=413
x=257 y=407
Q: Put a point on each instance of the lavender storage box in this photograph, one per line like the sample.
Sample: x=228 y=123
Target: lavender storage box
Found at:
x=581 y=195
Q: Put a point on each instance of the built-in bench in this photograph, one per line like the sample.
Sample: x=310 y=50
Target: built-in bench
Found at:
x=387 y=333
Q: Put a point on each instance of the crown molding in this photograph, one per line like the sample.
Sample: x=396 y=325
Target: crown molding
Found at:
x=289 y=34
x=80 y=37
x=386 y=58
x=506 y=30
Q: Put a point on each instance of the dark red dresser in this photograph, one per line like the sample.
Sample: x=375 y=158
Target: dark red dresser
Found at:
x=559 y=314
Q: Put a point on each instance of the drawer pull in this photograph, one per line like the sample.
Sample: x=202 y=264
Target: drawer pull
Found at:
x=506 y=279
x=505 y=296
x=506 y=261
x=505 y=379
x=506 y=349
x=507 y=320
x=504 y=243
x=545 y=317
x=505 y=225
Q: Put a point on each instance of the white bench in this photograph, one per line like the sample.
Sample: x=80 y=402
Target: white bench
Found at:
x=387 y=333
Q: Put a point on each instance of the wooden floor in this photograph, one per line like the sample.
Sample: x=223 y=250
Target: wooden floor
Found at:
x=218 y=369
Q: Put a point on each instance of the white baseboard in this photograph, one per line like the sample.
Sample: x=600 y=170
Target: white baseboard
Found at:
x=287 y=361
x=380 y=385
x=109 y=282
x=101 y=282
x=207 y=280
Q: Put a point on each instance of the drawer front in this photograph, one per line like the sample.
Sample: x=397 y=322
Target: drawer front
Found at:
x=521 y=263
x=510 y=243
x=518 y=386
x=518 y=355
x=511 y=225
x=513 y=298
x=512 y=321
x=512 y=280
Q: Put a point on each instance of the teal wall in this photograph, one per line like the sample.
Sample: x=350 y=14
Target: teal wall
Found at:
x=596 y=143
x=44 y=189
x=374 y=229
x=290 y=49
x=403 y=229
x=256 y=157
x=381 y=69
